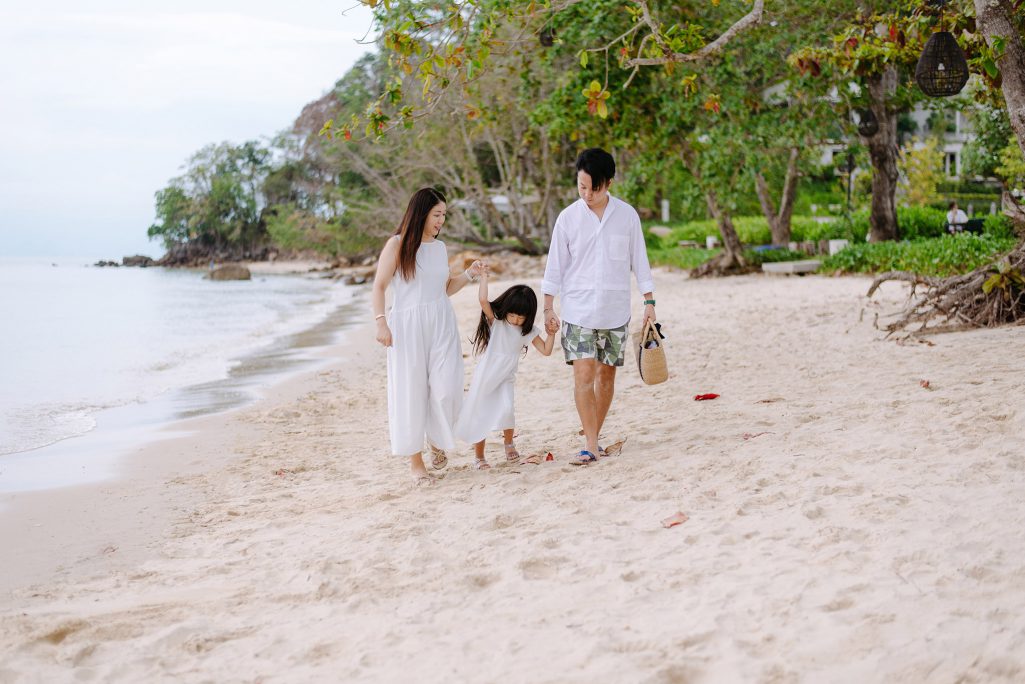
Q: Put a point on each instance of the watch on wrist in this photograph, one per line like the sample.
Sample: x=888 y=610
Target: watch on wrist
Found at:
x=649 y=301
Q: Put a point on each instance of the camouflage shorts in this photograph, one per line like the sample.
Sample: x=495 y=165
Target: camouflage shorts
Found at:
x=608 y=346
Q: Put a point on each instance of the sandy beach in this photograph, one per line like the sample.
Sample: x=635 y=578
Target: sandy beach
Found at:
x=846 y=523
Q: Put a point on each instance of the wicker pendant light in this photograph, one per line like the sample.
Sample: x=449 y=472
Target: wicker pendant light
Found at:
x=868 y=124
x=942 y=70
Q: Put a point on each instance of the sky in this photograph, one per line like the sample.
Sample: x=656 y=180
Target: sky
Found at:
x=101 y=104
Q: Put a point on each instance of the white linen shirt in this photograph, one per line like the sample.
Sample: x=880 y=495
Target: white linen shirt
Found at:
x=589 y=264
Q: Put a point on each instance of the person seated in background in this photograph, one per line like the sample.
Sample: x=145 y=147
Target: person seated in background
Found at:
x=956 y=219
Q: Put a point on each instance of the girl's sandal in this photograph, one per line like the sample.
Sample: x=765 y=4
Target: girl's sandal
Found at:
x=482 y=464
x=512 y=457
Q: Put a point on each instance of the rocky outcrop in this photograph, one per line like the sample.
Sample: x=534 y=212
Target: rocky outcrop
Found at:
x=137 y=260
x=106 y=264
x=229 y=272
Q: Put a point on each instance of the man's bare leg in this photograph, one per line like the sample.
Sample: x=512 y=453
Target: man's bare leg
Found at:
x=604 y=389
x=584 y=373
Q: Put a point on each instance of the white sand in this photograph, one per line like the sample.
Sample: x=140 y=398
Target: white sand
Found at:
x=873 y=530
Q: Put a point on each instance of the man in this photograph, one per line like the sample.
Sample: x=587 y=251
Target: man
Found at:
x=956 y=219
x=597 y=241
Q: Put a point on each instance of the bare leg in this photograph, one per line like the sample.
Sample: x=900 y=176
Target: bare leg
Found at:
x=508 y=436
x=478 y=451
x=604 y=389
x=584 y=372
x=511 y=455
x=417 y=469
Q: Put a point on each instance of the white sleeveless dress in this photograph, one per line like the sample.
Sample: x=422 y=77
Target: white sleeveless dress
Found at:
x=489 y=403
x=425 y=361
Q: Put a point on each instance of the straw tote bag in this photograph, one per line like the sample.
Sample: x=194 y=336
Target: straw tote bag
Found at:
x=651 y=355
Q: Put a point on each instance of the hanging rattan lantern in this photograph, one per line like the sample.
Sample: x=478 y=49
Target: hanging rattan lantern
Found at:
x=547 y=37
x=868 y=124
x=942 y=69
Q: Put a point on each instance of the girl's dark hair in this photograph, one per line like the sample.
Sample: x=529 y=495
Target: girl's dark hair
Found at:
x=411 y=230
x=518 y=299
x=599 y=165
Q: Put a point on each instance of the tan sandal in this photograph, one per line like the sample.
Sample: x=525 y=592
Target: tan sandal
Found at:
x=482 y=464
x=512 y=457
x=438 y=458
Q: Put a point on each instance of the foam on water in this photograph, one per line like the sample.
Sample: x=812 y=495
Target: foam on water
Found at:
x=79 y=340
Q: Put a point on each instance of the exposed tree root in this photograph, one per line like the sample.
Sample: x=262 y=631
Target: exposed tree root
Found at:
x=959 y=302
x=725 y=264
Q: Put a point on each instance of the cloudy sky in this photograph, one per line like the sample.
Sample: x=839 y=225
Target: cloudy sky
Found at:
x=102 y=102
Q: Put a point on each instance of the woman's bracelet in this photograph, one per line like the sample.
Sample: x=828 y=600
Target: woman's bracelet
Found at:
x=380 y=316
x=468 y=276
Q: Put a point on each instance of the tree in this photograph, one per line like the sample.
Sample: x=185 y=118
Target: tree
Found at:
x=991 y=132
x=922 y=163
x=213 y=209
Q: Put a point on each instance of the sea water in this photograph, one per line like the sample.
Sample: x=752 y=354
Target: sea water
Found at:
x=78 y=341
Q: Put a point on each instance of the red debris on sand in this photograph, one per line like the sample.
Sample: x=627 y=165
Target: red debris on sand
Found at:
x=549 y=457
x=924 y=384
x=705 y=397
x=677 y=518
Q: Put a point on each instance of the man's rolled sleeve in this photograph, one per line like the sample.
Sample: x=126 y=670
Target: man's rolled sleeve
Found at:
x=639 y=263
x=558 y=253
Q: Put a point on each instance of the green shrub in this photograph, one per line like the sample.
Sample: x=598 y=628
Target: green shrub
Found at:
x=999 y=226
x=943 y=256
x=766 y=256
x=917 y=223
x=754 y=230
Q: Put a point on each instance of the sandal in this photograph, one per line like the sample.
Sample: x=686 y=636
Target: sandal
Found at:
x=512 y=457
x=482 y=464
x=438 y=458
x=533 y=459
x=585 y=458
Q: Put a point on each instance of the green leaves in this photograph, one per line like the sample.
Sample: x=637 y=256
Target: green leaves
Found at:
x=1005 y=278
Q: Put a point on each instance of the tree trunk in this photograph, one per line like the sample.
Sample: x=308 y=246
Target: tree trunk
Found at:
x=882 y=148
x=779 y=222
x=732 y=256
x=732 y=250
x=994 y=20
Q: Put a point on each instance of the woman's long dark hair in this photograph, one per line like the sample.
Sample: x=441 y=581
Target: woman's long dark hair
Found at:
x=411 y=230
x=519 y=300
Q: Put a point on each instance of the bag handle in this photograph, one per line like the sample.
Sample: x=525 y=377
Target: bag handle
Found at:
x=648 y=333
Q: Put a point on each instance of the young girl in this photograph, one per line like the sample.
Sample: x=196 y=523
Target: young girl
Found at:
x=506 y=327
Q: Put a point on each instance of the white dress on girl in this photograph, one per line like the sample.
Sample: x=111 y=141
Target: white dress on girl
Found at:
x=425 y=361
x=489 y=403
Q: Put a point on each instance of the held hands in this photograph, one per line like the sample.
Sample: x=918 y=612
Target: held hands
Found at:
x=552 y=322
x=477 y=268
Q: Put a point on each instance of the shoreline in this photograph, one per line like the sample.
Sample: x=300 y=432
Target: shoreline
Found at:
x=846 y=523
x=111 y=524
x=114 y=422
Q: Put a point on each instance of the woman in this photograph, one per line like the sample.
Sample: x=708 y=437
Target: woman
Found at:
x=425 y=360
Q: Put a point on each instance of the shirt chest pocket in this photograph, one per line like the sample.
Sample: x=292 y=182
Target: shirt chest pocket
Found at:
x=619 y=247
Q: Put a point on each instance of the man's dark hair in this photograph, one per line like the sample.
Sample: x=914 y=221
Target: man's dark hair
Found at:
x=599 y=165
x=952 y=205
